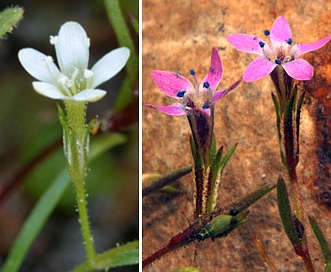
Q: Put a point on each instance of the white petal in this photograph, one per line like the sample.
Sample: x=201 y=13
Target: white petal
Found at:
x=38 y=65
x=72 y=48
x=89 y=95
x=109 y=65
x=48 y=90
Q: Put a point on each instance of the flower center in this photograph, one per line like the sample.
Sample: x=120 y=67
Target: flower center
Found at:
x=279 y=52
x=197 y=98
x=79 y=80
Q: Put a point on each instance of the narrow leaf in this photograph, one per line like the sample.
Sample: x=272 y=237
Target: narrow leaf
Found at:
x=286 y=213
x=154 y=182
x=227 y=157
x=321 y=239
x=248 y=200
x=127 y=254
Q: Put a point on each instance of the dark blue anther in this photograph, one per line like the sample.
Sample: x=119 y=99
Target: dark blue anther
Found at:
x=192 y=72
x=277 y=61
x=266 y=32
x=255 y=38
x=261 y=44
x=181 y=94
x=206 y=85
x=206 y=106
x=289 y=41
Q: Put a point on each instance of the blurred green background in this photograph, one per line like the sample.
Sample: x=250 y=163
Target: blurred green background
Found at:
x=29 y=124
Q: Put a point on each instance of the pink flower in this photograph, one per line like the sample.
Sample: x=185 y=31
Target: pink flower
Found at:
x=280 y=52
x=191 y=97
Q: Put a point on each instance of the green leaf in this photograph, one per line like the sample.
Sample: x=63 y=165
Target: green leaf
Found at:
x=127 y=254
x=122 y=33
x=154 y=182
x=321 y=239
x=45 y=206
x=134 y=23
x=248 y=200
x=227 y=157
x=9 y=18
x=34 y=223
x=285 y=213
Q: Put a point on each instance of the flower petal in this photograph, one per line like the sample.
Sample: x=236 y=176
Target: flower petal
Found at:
x=174 y=109
x=72 y=48
x=215 y=72
x=301 y=48
x=246 y=43
x=299 y=69
x=38 y=65
x=89 y=95
x=219 y=94
x=48 y=90
x=109 y=65
x=171 y=83
x=257 y=69
x=280 y=31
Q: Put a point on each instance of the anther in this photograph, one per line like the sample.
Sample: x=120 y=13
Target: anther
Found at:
x=289 y=41
x=266 y=32
x=206 y=106
x=181 y=94
x=277 y=61
x=261 y=44
x=206 y=85
x=192 y=72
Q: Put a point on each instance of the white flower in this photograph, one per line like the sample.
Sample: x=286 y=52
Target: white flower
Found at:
x=74 y=81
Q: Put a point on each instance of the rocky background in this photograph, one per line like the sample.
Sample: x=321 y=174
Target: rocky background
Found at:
x=178 y=36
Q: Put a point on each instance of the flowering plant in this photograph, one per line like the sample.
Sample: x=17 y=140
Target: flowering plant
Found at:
x=280 y=52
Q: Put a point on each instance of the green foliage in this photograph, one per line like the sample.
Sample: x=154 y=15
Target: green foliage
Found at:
x=321 y=239
x=127 y=254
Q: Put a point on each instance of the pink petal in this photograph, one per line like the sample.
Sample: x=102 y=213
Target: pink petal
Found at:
x=301 y=48
x=174 y=109
x=280 y=30
x=219 y=94
x=246 y=43
x=215 y=73
x=171 y=83
x=257 y=69
x=299 y=69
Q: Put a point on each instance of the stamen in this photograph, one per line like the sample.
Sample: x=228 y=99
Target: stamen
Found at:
x=266 y=32
x=206 y=106
x=206 y=85
x=289 y=41
x=196 y=84
x=277 y=61
x=181 y=94
x=261 y=44
x=53 y=40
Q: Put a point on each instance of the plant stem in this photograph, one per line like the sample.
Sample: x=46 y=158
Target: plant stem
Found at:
x=84 y=219
x=76 y=149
